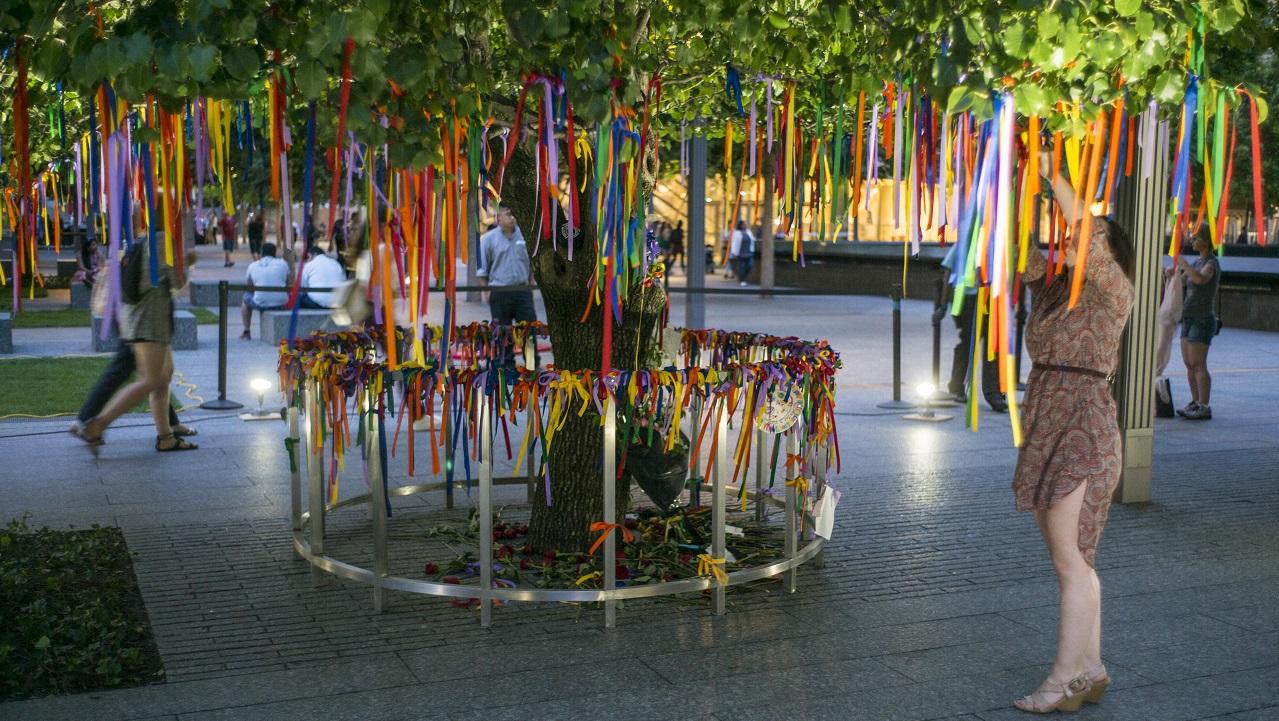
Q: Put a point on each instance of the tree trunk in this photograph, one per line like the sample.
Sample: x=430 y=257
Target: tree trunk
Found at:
x=575 y=457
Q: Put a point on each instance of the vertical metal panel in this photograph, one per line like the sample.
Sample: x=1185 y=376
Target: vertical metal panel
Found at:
x=485 y=442
x=610 y=506
x=1142 y=209
x=695 y=239
x=719 y=502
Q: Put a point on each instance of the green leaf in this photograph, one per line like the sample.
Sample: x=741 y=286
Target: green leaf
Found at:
x=778 y=21
x=202 y=58
x=42 y=643
x=960 y=99
x=242 y=62
x=1127 y=8
x=450 y=49
x=1031 y=99
x=310 y=78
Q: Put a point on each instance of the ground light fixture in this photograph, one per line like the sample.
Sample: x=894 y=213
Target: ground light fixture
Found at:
x=260 y=386
x=926 y=391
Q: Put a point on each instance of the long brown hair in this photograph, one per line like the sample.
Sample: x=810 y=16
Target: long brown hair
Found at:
x=1121 y=246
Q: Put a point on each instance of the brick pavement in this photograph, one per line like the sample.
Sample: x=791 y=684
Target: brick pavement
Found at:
x=936 y=600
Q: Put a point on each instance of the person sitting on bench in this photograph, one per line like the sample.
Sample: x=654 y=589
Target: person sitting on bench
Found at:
x=320 y=271
x=266 y=272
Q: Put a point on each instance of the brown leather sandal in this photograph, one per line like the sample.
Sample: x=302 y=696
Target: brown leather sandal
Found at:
x=179 y=444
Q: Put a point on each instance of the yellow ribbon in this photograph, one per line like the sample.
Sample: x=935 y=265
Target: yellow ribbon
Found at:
x=800 y=484
x=708 y=565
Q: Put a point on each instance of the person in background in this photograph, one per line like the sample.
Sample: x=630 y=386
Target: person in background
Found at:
x=1199 y=323
x=676 y=247
x=88 y=261
x=146 y=326
x=257 y=232
x=201 y=226
x=1071 y=456
x=963 y=354
x=320 y=271
x=742 y=252
x=504 y=262
x=227 y=227
x=266 y=272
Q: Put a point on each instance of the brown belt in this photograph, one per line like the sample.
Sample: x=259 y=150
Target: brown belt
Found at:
x=1108 y=377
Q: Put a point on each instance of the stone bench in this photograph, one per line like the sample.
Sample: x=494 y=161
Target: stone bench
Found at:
x=81 y=294
x=274 y=326
x=67 y=267
x=185 y=335
x=204 y=294
x=6 y=333
x=108 y=345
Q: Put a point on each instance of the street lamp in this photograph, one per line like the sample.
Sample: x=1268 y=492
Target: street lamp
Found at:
x=926 y=391
x=260 y=386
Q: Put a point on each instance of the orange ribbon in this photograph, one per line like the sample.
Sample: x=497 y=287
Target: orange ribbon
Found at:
x=604 y=529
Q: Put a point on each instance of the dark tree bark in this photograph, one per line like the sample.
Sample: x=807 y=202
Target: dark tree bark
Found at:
x=767 y=258
x=575 y=456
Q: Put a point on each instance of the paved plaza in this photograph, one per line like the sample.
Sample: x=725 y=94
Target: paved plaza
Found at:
x=936 y=600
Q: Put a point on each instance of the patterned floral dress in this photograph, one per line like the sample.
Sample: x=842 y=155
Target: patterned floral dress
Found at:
x=1070 y=419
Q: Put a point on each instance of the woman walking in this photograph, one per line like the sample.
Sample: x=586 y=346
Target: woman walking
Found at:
x=1199 y=323
x=1070 y=459
x=146 y=324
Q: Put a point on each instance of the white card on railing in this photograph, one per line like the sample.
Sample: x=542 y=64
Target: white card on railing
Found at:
x=824 y=513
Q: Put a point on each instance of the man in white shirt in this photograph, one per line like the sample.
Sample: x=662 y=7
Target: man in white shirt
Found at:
x=266 y=272
x=320 y=271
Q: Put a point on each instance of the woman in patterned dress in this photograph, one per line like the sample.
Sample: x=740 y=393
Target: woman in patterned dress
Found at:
x=1070 y=460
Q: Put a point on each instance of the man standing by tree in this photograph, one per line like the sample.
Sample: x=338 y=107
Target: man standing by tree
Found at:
x=227 y=226
x=504 y=262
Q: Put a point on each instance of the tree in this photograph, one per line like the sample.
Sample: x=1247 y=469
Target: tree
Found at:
x=418 y=68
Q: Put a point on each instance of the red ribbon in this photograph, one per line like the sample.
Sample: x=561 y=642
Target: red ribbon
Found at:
x=347 y=49
x=1256 y=168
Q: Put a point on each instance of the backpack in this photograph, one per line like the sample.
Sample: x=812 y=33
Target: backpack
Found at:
x=131 y=269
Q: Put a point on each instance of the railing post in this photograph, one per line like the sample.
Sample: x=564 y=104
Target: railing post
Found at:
x=295 y=469
x=377 y=505
x=610 y=506
x=485 y=442
x=897 y=403
x=792 y=449
x=315 y=478
x=719 y=547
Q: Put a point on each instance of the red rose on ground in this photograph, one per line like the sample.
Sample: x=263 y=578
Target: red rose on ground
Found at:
x=451 y=579
x=685 y=558
x=623 y=572
x=430 y=569
x=527 y=550
x=522 y=528
x=667 y=577
x=505 y=552
x=548 y=557
x=499 y=527
x=525 y=564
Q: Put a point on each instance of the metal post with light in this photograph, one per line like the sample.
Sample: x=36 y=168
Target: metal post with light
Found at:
x=926 y=391
x=260 y=386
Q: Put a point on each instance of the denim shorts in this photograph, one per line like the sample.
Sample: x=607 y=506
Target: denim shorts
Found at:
x=1199 y=330
x=253 y=304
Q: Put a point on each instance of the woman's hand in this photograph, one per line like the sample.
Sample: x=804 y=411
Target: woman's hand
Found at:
x=1046 y=163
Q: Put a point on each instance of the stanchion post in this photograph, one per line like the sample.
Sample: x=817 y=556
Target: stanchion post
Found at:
x=315 y=477
x=897 y=403
x=221 y=403
x=695 y=490
x=610 y=506
x=719 y=547
x=485 y=442
x=377 y=507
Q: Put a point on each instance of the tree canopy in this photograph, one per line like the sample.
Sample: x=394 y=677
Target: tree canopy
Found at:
x=414 y=62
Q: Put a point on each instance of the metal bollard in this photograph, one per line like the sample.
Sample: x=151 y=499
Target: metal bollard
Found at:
x=897 y=403
x=221 y=403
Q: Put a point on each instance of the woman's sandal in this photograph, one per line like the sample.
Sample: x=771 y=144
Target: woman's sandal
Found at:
x=1050 y=697
x=92 y=441
x=1099 y=681
x=179 y=444
x=185 y=431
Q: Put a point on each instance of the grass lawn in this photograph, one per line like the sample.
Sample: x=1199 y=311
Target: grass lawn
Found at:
x=48 y=386
x=79 y=318
x=74 y=618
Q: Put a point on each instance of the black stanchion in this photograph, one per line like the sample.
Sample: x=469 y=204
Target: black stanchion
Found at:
x=221 y=403
x=897 y=403
x=1020 y=336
